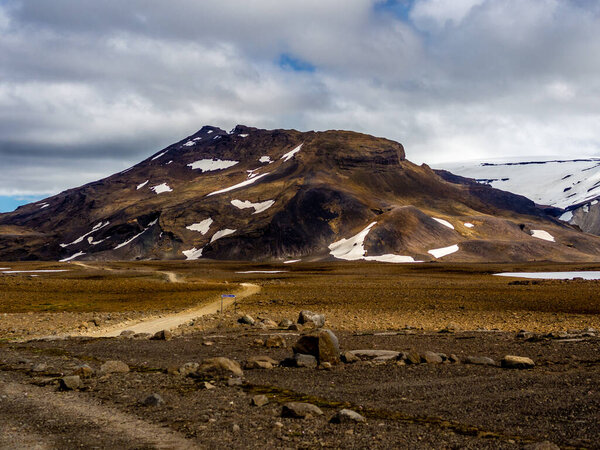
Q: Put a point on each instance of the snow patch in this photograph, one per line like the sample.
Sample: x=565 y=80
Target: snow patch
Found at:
x=239 y=185
x=469 y=225
x=291 y=153
x=541 y=234
x=444 y=222
x=586 y=208
x=137 y=235
x=258 y=207
x=163 y=187
x=391 y=258
x=265 y=159
x=37 y=271
x=441 y=252
x=192 y=253
x=588 y=275
x=242 y=135
x=43 y=205
x=189 y=143
x=159 y=155
x=292 y=261
x=96 y=227
x=222 y=233
x=566 y=216
x=208 y=165
x=201 y=227
x=209 y=131
x=76 y=255
x=264 y=271
x=351 y=249
x=141 y=185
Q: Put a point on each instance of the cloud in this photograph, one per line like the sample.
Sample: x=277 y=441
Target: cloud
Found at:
x=89 y=88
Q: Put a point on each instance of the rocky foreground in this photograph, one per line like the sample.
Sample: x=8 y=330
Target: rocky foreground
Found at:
x=298 y=384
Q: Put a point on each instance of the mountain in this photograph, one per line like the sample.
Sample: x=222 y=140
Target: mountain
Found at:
x=281 y=195
x=572 y=186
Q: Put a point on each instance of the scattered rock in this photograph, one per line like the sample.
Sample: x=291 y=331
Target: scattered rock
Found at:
x=300 y=360
x=235 y=428
x=347 y=416
x=70 y=383
x=188 y=368
x=480 y=360
x=275 y=341
x=318 y=320
x=40 y=367
x=349 y=358
x=516 y=362
x=285 y=323
x=373 y=354
x=127 y=333
x=153 y=400
x=162 y=335
x=325 y=366
x=268 y=323
x=260 y=362
x=208 y=343
x=259 y=400
x=114 y=367
x=295 y=327
x=323 y=345
x=246 y=320
x=258 y=341
x=412 y=358
x=206 y=385
x=297 y=410
x=142 y=336
x=431 y=358
x=83 y=371
x=218 y=367
x=453 y=358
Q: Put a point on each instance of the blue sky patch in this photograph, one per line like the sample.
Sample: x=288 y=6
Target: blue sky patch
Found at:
x=10 y=203
x=288 y=62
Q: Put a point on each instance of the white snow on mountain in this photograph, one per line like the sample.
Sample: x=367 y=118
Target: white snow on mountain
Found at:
x=222 y=233
x=159 y=189
x=541 y=234
x=239 y=185
x=441 y=252
x=289 y=155
x=554 y=182
x=258 y=207
x=444 y=222
x=192 y=253
x=208 y=165
x=201 y=227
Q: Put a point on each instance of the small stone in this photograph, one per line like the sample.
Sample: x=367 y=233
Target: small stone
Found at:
x=453 y=358
x=275 y=341
x=259 y=400
x=70 y=383
x=318 y=320
x=153 y=400
x=218 y=367
x=188 y=368
x=83 y=371
x=347 y=416
x=162 y=335
x=208 y=343
x=246 y=320
x=516 y=362
x=480 y=360
x=206 y=385
x=260 y=362
x=278 y=424
x=285 y=323
x=295 y=327
x=235 y=428
x=349 y=358
x=413 y=358
x=431 y=358
x=114 y=367
x=258 y=341
x=325 y=366
x=231 y=382
x=40 y=367
x=127 y=333
x=301 y=360
x=268 y=323
x=297 y=410
x=382 y=355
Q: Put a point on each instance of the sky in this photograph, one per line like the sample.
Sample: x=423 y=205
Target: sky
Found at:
x=88 y=87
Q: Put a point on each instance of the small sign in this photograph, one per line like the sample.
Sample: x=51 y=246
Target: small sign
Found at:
x=228 y=295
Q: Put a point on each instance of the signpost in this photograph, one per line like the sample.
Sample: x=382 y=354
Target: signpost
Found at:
x=225 y=296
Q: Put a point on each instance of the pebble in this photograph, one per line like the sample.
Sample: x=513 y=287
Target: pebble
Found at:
x=480 y=360
x=347 y=416
x=162 y=335
x=298 y=410
x=275 y=341
x=114 y=366
x=431 y=358
x=153 y=400
x=246 y=320
x=259 y=400
x=516 y=362
x=372 y=354
x=70 y=383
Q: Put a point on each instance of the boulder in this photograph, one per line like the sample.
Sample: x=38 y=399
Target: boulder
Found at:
x=153 y=400
x=127 y=333
x=431 y=358
x=83 y=371
x=268 y=323
x=516 y=362
x=70 y=383
x=295 y=327
x=285 y=323
x=162 y=335
x=318 y=320
x=297 y=410
x=260 y=362
x=275 y=341
x=323 y=345
x=219 y=367
x=246 y=320
x=259 y=400
x=480 y=360
x=114 y=367
x=412 y=358
x=347 y=416
x=381 y=355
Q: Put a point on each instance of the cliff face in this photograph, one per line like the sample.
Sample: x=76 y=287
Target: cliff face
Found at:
x=257 y=194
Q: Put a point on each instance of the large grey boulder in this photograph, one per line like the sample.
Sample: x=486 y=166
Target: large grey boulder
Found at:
x=318 y=320
x=323 y=345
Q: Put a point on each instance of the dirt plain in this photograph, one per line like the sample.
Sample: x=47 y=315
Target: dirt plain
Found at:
x=368 y=306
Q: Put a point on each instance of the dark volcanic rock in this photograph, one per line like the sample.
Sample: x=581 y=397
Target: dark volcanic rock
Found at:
x=323 y=345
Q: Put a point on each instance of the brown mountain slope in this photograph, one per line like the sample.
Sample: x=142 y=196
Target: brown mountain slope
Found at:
x=281 y=194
